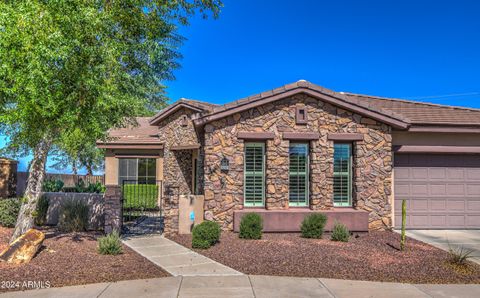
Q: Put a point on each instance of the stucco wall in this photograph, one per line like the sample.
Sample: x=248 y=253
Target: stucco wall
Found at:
x=372 y=159
x=94 y=201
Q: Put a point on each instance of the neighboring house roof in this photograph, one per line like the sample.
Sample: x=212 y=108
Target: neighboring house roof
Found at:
x=195 y=105
x=143 y=135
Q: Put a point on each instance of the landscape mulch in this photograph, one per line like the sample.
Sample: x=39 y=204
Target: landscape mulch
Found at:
x=72 y=259
x=374 y=257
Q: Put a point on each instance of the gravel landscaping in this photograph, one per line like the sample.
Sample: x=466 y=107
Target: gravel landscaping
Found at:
x=373 y=256
x=72 y=259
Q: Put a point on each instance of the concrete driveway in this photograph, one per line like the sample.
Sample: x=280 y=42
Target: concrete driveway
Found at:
x=469 y=239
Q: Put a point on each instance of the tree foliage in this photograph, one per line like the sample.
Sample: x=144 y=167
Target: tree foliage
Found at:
x=72 y=69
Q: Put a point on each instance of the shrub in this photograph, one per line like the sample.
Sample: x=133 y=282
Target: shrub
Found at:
x=459 y=255
x=52 y=185
x=9 y=209
x=205 y=234
x=41 y=212
x=95 y=188
x=251 y=226
x=312 y=226
x=73 y=216
x=110 y=244
x=340 y=232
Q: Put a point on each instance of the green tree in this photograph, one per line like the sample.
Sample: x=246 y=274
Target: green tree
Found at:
x=76 y=65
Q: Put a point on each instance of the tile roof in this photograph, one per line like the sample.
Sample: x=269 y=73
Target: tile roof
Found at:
x=143 y=133
x=421 y=112
x=397 y=110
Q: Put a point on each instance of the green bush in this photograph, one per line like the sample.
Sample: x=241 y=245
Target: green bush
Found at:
x=251 y=226
x=340 y=232
x=41 y=212
x=95 y=188
x=312 y=226
x=9 y=209
x=51 y=185
x=142 y=196
x=110 y=244
x=73 y=216
x=205 y=234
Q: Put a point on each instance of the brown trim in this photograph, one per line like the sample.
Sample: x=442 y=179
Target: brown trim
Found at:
x=435 y=149
x=185 y=147
x=314 y=93
x=447 y=129
x=137 y=155
x=129 y=146
x=304 y=136
x=255 y=135
x=171 y=109
x=345 y=136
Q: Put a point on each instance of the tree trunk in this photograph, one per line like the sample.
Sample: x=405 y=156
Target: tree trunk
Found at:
x=33 y=191
x=74 y=168
x=89 y=169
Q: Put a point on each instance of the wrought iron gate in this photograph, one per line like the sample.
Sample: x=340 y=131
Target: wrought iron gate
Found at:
x=142 y=207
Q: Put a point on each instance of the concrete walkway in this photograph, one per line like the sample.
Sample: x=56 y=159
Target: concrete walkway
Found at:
x=176 y=259
x=444 y=239
x=252 y=286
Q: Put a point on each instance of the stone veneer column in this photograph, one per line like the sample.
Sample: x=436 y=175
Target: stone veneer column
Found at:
x=170 y=212
x=321 y=174
x=276 y=174
x=113 y=208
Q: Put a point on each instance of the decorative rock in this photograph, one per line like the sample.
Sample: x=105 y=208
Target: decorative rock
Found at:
x=24 y=248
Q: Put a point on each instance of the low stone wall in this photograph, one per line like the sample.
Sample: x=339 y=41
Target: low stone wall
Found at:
x=94 y=201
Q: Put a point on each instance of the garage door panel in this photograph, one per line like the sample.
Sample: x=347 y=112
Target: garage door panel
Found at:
x=473 y=221
x=473 y=174
x=442 y=191
x=473 y=189
x=456 y=189
x=437 y=173
x=438 y=205
x=455 y=174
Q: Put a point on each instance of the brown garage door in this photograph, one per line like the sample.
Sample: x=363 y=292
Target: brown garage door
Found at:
x=442 y=191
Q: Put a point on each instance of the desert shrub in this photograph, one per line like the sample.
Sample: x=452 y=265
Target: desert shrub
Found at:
x=312 y=225
x=73 y=216
x=9 y=209
x=459 y=255
x=41 y=211
x=110 y=244
x=51 y=185
x=205 y=234
x=340 y=232
x=251 y=226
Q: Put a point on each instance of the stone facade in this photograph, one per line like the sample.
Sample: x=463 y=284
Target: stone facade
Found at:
x=176 y=130
x=372 y=181
x=113 y=208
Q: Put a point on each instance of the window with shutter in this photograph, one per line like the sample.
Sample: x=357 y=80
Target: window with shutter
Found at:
x=298 y=175
x=254 y=181
x=342 y=175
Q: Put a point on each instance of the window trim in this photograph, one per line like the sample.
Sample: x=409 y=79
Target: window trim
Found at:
x=245 y=203
x=349 y=175
x=306 y=201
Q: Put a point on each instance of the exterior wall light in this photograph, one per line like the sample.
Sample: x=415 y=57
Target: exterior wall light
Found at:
x=224 y=164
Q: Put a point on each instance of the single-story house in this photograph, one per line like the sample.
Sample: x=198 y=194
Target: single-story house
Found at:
x=302 y=148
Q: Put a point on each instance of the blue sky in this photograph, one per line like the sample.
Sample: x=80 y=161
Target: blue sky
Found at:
x=425 y=50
